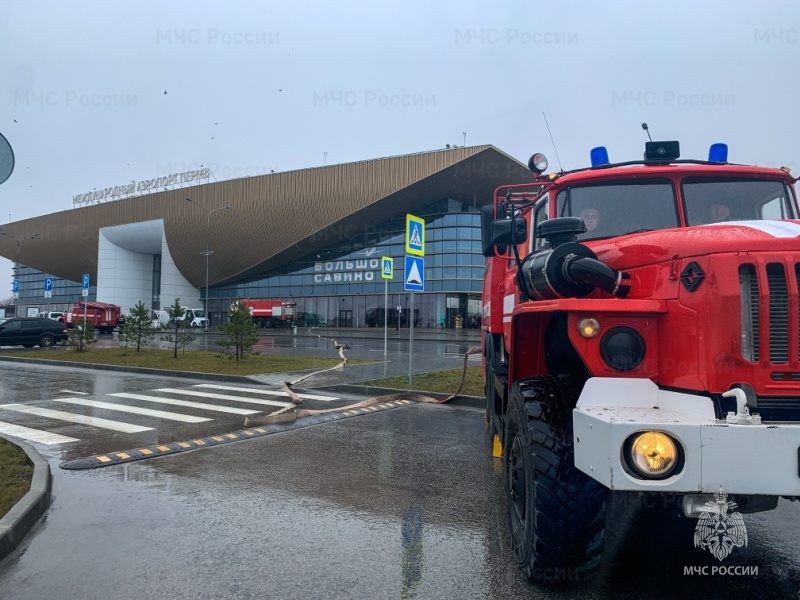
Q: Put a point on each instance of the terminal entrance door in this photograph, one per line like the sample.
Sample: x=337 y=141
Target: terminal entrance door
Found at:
x=345 y=318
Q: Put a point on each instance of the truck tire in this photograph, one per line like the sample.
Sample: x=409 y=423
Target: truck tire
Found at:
x=556 y=512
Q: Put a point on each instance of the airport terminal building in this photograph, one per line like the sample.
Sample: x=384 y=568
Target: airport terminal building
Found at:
x=313 y=237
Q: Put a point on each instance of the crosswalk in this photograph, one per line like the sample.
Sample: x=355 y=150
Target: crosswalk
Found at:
x=157 y=407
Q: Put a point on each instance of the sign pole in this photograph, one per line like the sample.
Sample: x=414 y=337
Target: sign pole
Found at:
x=86 y=282
x=414 y=274
x=387 y=272
x=385 y=314
x=411 y=342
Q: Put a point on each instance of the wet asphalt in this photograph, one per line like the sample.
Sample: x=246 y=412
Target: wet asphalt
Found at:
x=403 y=503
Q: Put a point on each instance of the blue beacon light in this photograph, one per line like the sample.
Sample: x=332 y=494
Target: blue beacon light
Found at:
x=718 y=153
x=599 y=156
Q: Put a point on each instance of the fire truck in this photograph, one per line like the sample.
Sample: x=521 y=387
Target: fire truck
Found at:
x=271 y=313
x=104 y=317
x=641 y=334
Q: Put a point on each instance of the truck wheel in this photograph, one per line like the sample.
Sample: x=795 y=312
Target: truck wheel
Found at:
x=557 y=512
x=46 y=341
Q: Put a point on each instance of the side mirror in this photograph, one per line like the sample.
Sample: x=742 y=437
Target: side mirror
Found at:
x=487 y=216
x=496 y=233
x=509 y=231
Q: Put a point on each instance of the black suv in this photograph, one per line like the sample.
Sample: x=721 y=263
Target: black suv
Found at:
x=31 y=331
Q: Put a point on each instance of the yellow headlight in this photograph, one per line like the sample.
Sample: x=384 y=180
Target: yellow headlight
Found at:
x=653 y=454
x=589 y=327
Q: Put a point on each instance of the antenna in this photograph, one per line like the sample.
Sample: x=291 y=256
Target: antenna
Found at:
x=553 y=142
x=644 y=126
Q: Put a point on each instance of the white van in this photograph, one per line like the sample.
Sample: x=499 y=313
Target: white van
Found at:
x=159 y=318
x=195 y=317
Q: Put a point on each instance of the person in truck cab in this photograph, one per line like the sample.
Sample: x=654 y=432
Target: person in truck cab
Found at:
x=718 y=213
x=590 y=216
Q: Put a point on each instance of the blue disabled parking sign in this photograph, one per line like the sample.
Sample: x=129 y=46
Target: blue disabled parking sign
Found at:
x=414 y=276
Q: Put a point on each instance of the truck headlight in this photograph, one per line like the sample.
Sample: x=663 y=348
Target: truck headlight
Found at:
x=622 y=348
x=652 y=454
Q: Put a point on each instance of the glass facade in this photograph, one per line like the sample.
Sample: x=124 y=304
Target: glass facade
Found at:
x=341 y=286
x=31 y=293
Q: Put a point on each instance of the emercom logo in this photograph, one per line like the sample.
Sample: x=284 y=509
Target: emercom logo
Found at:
x=718 y=530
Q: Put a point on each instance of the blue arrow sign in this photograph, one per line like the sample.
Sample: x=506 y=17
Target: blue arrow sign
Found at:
x=48 y=284
x=414 y=276
x=15 y=286
x=86 y=282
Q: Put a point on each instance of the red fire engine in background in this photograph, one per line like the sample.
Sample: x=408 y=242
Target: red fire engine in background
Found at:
x=271 y=313
x=641 y=335
x=104 y=317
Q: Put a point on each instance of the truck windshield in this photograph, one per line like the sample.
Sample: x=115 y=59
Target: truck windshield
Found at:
x=716 y=200
x=199 y=313
x=619 y=208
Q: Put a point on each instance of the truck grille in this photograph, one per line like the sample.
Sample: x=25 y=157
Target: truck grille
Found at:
x=751 y=313
x=784 y=343
x=778 y=333
x=778 y=314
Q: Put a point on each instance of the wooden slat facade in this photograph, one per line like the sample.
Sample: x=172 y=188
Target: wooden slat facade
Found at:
x=275 y=218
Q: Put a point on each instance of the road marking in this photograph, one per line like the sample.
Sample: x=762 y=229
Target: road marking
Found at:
x=34 y=435
x=74 y=392
x=224 y=397
x=214 y=386
x=73 y=418
x=135 y=410
x=214 y=407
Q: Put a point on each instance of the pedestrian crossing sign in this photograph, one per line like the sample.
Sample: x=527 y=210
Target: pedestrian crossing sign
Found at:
x=387 y=268
x=414 y=276
x=415 y=235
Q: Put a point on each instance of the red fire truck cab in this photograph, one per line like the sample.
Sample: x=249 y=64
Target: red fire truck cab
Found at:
x=271 y=313
x=104 y=317
x=641 y=333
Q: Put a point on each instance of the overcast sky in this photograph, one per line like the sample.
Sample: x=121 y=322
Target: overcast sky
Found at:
x=253 y=87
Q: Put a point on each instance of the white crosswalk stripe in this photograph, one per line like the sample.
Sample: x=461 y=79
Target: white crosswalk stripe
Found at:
x=187 y=404
x=170 y=416
x=232 y=388
x=217 y=401
x=73 y=418
x=224 y=397
x=34 y=435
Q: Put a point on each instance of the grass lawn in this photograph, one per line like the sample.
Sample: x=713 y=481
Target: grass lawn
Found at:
x=195 y=361
x=15 y=475
x=446 y=382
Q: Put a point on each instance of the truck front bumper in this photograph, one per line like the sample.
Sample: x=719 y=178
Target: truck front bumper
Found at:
x=741 y=459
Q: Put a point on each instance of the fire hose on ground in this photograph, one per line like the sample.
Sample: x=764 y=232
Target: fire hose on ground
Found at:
x=292 y=412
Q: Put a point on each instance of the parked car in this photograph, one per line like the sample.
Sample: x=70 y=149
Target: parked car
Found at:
x=31 y=331
x=56 y=316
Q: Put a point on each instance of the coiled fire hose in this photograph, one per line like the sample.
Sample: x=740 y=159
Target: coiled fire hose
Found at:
x=291 y=413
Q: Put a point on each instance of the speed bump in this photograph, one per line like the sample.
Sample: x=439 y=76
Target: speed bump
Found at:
x=117 y=458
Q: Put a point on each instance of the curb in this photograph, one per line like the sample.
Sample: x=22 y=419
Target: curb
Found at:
x=140 y=370
x=469 y=401
x=22 y=517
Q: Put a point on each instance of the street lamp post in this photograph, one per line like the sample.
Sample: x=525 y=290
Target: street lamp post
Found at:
x=208 y=250
x=18 y=239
